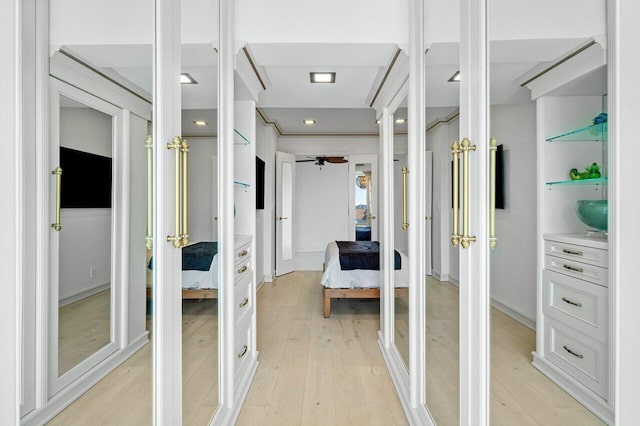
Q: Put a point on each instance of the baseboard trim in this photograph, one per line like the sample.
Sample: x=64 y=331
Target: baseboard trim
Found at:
x=84 y=294
x=577 y=390
x=66 y=396
x=440 y=277
x=268 y=278
x=510 y=312
x=241 y=394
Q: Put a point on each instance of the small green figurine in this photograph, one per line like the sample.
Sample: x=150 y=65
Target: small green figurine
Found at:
x=591 y=172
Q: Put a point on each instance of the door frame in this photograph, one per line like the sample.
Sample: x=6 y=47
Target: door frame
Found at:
x=373 y=160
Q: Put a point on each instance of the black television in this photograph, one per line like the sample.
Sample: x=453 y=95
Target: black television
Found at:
x=86 y=180
x=259 y=183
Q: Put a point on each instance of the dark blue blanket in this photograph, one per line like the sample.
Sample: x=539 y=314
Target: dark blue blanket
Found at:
x=363 y=255
x=196 y=257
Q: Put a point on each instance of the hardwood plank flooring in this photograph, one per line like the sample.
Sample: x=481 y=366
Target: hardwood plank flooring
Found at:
x=315 y=370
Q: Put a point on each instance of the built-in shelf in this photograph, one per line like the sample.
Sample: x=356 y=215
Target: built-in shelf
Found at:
x=597 y=181
x=241 y=184
x=240 y=139
x=592 y=133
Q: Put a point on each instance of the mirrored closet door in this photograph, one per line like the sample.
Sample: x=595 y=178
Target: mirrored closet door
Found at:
x=548 y=291
x=441 y=298
x=400 y=240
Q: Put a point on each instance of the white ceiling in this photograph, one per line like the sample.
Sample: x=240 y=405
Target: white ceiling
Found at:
x=339 y=108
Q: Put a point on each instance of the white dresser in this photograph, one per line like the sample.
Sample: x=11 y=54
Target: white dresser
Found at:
x=244 y=306
x=573 y=317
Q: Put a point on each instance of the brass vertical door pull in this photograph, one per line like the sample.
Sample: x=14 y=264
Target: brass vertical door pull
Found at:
x=148 y=144
x=466 y=239
x=57 y=172
x=405 y=172
x=184 y=232
x=493 y=147
x=176 y=239
x=455 y=187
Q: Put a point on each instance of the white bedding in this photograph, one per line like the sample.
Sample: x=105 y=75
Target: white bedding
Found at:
x=334 y=277
x=200 y=280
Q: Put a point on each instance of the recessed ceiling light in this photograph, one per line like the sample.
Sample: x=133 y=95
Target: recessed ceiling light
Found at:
x=323 y=77
x=401 y=120
x=200 y=123
x=309 y=122
x=187 y=79
x=455 y=77
x=378 y=121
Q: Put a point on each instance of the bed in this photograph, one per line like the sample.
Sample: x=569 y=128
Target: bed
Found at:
x=199 y=271
x=353 y=283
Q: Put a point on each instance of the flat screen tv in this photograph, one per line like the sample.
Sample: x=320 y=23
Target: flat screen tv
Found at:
x=259 y=184
x=86 y=180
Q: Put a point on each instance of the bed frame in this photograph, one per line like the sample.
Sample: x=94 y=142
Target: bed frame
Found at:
x=194 y=294
x=353 y=293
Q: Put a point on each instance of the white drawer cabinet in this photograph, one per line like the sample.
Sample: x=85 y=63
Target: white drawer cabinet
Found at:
x=574 y=324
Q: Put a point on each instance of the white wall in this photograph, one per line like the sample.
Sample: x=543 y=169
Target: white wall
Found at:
x=202 y=176
x=85 y=239
x=513 y=261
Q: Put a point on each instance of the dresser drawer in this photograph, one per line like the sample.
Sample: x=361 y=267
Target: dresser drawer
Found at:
x=242 y=253
x=579 y=304
x=242 y=269
x=584 y=271
x=581 y=357
x=243 y=302
x=242 y=351
x=592 y=256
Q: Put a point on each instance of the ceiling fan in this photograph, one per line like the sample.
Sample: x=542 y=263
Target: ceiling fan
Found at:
x=320 y=160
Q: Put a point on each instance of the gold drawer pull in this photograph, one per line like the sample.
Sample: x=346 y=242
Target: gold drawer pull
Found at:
x=573 y=268
x=244 y=303
x=574 y=252
x=241 y=270
x=578 y=304
x=577 y=355
x=245 y=347
x=243 y=253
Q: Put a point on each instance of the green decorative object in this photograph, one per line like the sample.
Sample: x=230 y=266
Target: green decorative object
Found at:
x=593 y=213
x=591 y=172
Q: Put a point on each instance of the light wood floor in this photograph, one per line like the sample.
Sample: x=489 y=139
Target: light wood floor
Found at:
x=83 y=328
x=520 y=394
x=124 y=397
x=317 y=371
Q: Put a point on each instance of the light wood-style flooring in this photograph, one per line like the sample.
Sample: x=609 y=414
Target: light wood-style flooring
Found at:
x=315 y=370
x=84 y=327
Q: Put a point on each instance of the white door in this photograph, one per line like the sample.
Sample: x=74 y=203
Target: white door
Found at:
x=428 y=202
x=285 y=188
x=363 y=197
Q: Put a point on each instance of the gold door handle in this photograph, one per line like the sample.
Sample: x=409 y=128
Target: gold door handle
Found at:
x=148 y=144
x=466 y=239
x=405 y=172
x=184 y=153
x=371 y=216
x=455 y=189
x=244 y=302
x=181 y=150
x=282 y=218
x=493 y=147
x=244 y=351
x=57 y=172
x=241 y=270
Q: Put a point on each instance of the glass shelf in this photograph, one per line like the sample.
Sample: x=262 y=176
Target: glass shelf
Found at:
x=240 y=139
x=597 y=181
x=592 y=133
x=241 y=184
